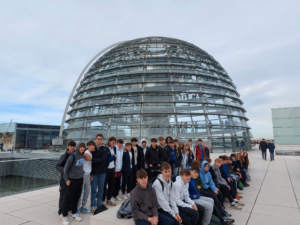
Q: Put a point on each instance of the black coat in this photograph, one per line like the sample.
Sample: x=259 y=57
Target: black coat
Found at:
x=166 y=153
x=154 y=156
x=126 y=166
x=99 y=160
x=141 y=159
x=132 y=151
x=214 y=176
x=263 y=146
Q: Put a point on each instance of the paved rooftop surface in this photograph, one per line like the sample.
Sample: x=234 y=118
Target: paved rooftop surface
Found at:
x=272 y=198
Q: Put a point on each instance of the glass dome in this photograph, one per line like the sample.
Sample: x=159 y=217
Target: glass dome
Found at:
x=158 y=86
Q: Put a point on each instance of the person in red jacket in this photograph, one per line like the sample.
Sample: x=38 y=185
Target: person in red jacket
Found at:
x=201 y=151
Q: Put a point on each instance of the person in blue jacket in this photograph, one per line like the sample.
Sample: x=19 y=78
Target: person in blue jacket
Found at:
x=271 y=148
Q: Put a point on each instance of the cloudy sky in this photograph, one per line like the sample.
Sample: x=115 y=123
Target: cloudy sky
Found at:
x=44 y=45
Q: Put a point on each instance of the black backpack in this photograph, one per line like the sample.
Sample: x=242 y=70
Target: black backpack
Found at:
x=100 y=209
x=125 y=210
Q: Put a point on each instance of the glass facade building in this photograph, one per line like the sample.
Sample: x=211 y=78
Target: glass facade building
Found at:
x=158 y=86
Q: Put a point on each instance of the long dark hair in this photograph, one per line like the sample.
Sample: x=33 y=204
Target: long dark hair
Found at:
x=246 y=160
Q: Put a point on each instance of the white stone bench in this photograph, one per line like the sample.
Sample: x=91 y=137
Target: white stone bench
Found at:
x=109 y=217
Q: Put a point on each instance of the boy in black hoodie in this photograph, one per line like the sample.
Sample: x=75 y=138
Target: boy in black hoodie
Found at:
x=60 y=168
x=153 y=158
x=73 y=175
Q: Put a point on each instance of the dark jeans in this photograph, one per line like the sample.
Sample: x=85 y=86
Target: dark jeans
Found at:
x=127 y=181
x=73 y=196
x=211 y=194
x=161 y=211
x=109 y=183
x=63 y=192
x=118 y=177
x=162 y=220
x=189 y=216
x=225 y=189
x=133 y=182
x=272 y=154
x=264 y=154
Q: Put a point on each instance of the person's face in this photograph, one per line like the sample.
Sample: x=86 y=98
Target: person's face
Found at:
x=218 y=164
x=91 y=148
x=162 y=142
x=172 y=145
x=112 y=143
x=246 y=154
x=233 y=158
x=120 y=145
x=134 y=143
x=166 y=174
x=168 y=140
x=144 y=144
x=271 y=142
x=190 y=143
x=187 y=147
x=199 y=143
x=153 y=144
x=71 y=149
x=186 y=179
x=142 y=181
x=230 y=161
x=128 y=147
x=206 y=168
x=81 y=149
x=203 y=144
x=99 y=140
x=175 y=143
x=221 y=162
x=264 y=140
x=194 y=174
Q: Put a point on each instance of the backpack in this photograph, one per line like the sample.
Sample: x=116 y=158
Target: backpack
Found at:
x=161 y=183
x=215 y=220
x=100 y=209
x=125 y=210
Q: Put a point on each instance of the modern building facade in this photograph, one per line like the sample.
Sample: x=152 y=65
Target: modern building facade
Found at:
x=27 y=136
x=158 y=86
x=286 y=129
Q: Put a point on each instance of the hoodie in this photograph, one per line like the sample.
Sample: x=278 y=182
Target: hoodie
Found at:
x=143 y=202
x=206 y=178
x=181 y=193
x=193 y=190
x=62 y=162
x=165 y=198
x=220 y=179
x=74 y=171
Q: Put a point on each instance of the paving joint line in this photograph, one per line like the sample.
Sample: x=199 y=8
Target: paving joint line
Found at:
x=276 y=216
x=258 y=191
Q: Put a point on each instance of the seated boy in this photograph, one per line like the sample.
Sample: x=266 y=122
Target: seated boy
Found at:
x=185 y=204
x=144 y=204
x=234 y=176
x=237 y=168
x=163 y=187
x=73 y=175
x=207 y=203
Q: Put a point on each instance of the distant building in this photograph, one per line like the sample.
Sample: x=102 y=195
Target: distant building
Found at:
x=286 y=129
x=27 y=136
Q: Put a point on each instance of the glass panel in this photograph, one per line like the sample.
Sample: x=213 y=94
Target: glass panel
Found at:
x=125 y=131
x=101 y=100
x=129 y=88
x=92 y=132
x=158 y=77
x=127 y=98
x=158 y=108
x=231 y=93
x=99 y=110
x=185 y=130
x=158 y=97
x=104 y=82
x=158 y=68
x=207 y=80
x=213 y=119
x=216 y=131
x=240 y=131
x=198 y=119
x=236 y=112
x=186 y=87
x=130 y=79
x=212 y=89
x=80 y=113
x=185 y=78
x=100 y=121
x=189 y=108
x=126 y=108
x=157 y=87
x=158 y=119
x=186 y=119
x=74 y=134
x=213 y=99
x=236 y=121
x=287 y=131
x=231 y=101
x=102 y=91
x=82 y=103
x=126 y=120
x=290 y=122
x=191 y=97
x=216 y=109
x=155 y=130
x=76 y=123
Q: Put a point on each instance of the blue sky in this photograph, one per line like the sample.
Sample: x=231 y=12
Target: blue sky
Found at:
x=44 y=45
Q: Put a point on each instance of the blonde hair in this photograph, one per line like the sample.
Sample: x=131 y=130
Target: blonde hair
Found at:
x=183 y=149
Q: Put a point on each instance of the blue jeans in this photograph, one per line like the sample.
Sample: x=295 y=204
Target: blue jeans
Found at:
x=271 y=155
x=264 y=154
x=246 y=174
x=162 y=220
x=98 y=181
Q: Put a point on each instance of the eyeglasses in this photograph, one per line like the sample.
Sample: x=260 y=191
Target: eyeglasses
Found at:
x=100 y=139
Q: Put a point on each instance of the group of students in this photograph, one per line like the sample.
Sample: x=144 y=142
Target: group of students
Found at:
x=100 y=171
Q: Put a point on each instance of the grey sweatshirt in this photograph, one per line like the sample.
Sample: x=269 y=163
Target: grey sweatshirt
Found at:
x=221 y=180
x=76 y=171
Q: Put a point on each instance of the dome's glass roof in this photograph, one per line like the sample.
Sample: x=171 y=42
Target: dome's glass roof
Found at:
x=158 y=86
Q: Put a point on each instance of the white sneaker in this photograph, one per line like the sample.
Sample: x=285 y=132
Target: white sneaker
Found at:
x=112 y=200
x=60 y=216
x=128 y=195
x=124 y=197
x=65 y=221
x=93 y=209
x=76 y=217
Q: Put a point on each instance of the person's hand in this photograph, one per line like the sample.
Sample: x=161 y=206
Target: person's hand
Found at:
x=216 y=192
x=153 y=220
x=195 y=207
x=238 y=169
x=199 y=187
x=178 y=218
x=218 y=189
x=115 y=155
x=150 y=165
x=228 y=179
x=158 y=164
x=68 y=183
x=124 y=150
x=83 y=180
x=91 y=177
x=229 y=187
x=195 y=196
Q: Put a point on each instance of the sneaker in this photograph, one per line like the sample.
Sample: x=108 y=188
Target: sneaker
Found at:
x=235 y=206
x=128 y=195
x=85 y=210
x=60 y=216
x=109 y=202
x=116 y=199
x=93 y=209
x=239 y=196
x=228 y=221
x=65 y=221
x=124 y=197
x=76 y=217
x=228 y=214
x=240 y=204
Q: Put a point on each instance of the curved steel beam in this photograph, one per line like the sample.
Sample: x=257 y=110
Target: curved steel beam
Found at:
x=77 y=82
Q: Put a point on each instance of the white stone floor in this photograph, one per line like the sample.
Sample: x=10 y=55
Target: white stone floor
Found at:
x=273 y=198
